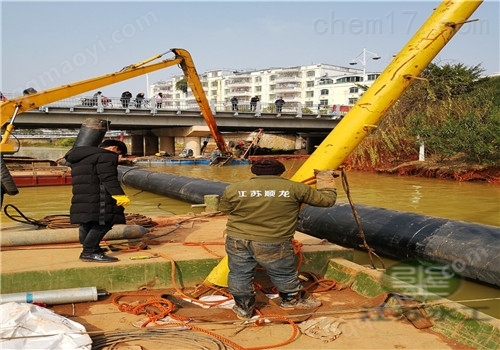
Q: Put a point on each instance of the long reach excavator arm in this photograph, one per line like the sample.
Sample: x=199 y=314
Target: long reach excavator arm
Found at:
x=11 y=108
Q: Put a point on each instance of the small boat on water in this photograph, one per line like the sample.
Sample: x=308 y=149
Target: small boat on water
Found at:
x=31 y=172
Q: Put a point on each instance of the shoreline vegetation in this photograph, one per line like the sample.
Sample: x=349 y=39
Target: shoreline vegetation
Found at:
x=451 y=169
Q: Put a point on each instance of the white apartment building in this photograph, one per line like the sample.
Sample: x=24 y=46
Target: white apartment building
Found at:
x=313 y=86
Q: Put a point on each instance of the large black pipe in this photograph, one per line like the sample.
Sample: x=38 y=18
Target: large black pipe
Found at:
x=467 y=249
x=187 y=189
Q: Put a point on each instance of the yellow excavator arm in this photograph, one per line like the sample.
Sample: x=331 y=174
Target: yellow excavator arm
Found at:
x=11 y=108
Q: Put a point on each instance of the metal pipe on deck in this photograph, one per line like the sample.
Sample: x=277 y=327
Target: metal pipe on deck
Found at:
x=52 y=297
x=66 y=235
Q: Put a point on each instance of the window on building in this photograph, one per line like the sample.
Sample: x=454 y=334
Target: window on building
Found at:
x=352 y=101
x=353 y=90
x=323 y=102
x=324 y=92
x=272 y=78
x=372 y=77
x=310 y=73
x=309 y=93
x=272 y=87
x=351 y=79
x=258 y=88
x=309 y=104
x=324 y=81
x=258 y=79
x=310 y=83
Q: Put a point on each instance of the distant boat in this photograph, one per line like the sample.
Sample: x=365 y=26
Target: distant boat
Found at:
x=33 y=172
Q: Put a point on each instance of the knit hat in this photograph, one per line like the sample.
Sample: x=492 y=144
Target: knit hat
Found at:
x=267 y=166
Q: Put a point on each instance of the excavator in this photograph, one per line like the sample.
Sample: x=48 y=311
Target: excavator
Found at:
x=11 y=108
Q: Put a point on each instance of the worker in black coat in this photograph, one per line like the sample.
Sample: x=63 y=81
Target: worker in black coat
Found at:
x=98 y=198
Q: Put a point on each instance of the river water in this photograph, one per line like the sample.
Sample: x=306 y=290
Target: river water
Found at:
x=471 y=202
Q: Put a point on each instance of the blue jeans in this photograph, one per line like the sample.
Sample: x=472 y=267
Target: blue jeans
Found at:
x=90 y=235
x=277 y=258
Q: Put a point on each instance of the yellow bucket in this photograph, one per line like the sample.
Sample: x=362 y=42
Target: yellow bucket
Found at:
x=218 y=275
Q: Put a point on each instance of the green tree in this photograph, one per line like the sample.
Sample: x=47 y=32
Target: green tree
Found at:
x=453 y=111
x=182 y=85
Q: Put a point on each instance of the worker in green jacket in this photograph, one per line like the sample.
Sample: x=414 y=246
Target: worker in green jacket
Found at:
x=263 y=212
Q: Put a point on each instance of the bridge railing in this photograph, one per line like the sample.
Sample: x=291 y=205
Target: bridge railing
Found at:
x=217 y=106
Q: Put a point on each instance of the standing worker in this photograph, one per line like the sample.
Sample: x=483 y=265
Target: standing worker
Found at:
x=279 y=105
x=234 y=103
x=125 y=98
x=263 y=213
x=159 y=100
x=138 y=99
x=98 y=198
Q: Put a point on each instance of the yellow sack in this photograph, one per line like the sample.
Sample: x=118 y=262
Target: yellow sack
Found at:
x=218 y=275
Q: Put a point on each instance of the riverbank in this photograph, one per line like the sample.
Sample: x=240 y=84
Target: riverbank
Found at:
x=452 y=169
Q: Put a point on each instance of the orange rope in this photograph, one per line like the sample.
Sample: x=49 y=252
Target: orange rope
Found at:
x=331 y=285
x=154 y=308
x=166 y=307
x=204 y=246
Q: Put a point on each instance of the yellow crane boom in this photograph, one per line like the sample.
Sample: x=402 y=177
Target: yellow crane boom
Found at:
x=434 y=34
x=11 y=108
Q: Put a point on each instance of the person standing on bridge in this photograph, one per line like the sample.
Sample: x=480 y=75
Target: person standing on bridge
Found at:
x=279 y=105
x=263 y=212
x=98 y=198
x=138 y=99
x=159 y=100
x=234 y=103
x=253 y=103
x=125 y=98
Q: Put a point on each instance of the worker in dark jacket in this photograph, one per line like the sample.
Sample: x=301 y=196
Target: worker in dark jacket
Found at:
x=263 y=213
x=98 y=198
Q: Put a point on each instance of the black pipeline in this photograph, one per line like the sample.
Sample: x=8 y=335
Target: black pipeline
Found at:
x=187 y=189
x=470 y=250
x=467 y=249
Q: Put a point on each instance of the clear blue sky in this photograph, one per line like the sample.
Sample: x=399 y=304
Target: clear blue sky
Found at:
x=84 y=39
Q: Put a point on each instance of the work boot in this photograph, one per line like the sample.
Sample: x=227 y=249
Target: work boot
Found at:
x=242 y=314
x=97 y=257
x=243 y=307
x=295 y=301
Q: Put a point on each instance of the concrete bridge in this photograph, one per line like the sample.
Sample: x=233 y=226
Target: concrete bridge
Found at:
x=150 y=127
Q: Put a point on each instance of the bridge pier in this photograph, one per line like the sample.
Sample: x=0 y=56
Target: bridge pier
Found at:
x=312 y=142
x=137 y=145
x=193 y=143
x=144 y=144
x=150 y=144
x=167 y=144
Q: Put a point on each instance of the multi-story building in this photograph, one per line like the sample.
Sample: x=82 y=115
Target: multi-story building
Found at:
x=313 y=86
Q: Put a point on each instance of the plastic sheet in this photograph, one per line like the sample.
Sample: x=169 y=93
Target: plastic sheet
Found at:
x=28 y=326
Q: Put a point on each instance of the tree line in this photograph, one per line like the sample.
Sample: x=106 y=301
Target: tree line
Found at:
x=453 y=110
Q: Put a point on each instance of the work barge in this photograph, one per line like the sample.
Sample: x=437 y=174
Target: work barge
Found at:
x=169 y=272
x=168 y=289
